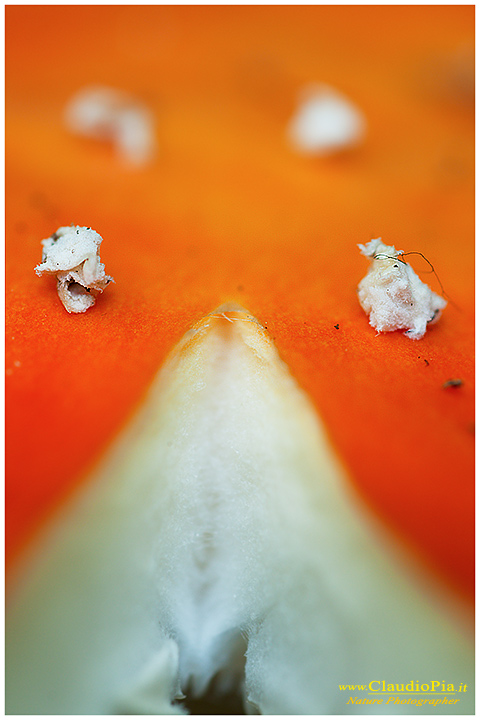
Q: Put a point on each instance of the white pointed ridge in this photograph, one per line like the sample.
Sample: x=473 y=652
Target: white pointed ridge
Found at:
x=219 y=547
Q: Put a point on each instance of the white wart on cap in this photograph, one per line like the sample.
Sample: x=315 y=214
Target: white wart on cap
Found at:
x=71 y=253
x=325 y=122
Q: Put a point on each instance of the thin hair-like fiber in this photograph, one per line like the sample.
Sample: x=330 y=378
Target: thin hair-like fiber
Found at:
x=432 y=270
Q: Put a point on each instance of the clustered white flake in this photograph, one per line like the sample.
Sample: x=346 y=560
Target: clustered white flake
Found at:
x=71 y=254
x=105 y=113
x=325 y=122
x=393 y=295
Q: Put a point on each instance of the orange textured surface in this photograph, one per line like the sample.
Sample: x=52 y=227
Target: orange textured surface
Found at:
x=229 y=212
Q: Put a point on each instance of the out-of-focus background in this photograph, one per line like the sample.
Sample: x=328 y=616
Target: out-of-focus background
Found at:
x=228 y=209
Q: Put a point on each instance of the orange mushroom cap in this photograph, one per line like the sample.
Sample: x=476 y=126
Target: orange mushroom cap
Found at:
x=229 y=212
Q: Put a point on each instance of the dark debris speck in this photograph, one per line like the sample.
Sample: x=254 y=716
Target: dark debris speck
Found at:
x=452 y=383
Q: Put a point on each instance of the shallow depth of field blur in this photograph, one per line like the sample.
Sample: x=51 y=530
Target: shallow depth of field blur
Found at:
x=229 y=210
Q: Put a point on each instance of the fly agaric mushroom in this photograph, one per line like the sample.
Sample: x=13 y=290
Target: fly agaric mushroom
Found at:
x=219 y=549
x=231 y=214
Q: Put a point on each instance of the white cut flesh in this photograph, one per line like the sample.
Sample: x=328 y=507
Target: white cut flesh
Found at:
x=222 y=521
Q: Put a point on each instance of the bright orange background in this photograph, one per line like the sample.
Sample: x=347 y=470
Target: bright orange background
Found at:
x=229 y=212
